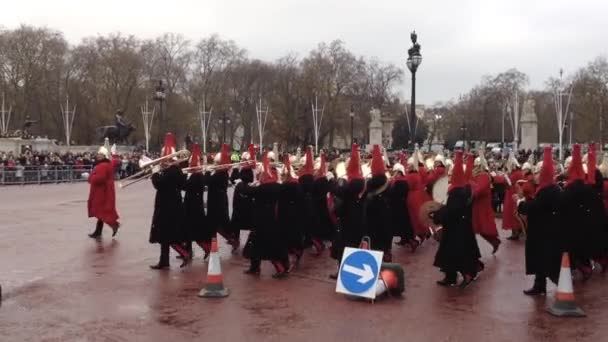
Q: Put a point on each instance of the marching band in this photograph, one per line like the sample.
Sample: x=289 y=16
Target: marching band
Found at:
x=301 y=203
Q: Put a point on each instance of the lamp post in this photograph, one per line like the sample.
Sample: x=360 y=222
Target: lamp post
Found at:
x=352 y=121
x=159 y=96
x=223 y=122
x=413 y=61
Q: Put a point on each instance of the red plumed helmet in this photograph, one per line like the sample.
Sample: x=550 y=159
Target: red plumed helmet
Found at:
x=468 y=173
x=353 y=169
x=266 y=176
x=308 y=167
x=169 y=147
x=195 y=157
x=225 y=155
x=591 y=164
x=322 y=171
x=575 y=171
x=378 y=167
x=547 y=172
x=458 y=178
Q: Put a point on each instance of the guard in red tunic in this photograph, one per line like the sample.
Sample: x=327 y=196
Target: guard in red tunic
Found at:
x=439 y=171
x=102 y=195
x=416 y=196
x=483 y=216
x=509 y=219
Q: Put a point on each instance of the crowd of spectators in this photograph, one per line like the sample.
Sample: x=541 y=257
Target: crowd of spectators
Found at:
x=39 y=166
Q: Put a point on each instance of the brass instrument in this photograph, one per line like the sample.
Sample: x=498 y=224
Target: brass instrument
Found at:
x=147 y=167
x=204 y=168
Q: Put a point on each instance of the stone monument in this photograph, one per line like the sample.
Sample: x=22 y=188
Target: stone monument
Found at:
x=375 y=127
x=529 y=127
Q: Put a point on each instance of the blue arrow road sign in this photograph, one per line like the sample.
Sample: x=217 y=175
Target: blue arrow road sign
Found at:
x=359 y=272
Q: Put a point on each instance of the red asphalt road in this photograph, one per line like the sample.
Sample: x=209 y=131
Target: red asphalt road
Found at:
x=60 y=285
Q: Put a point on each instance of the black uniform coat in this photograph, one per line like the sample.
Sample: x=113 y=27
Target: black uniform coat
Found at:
x=326 y=229
x=351 y=215
x=377 y=213
x=310 y=217
x=167 y=220
x=267 y=242
x=194 y=210
x=291 y=225
x=217 y=201
x=242 y=204
x=399 y=213
x=458 y=250
x=583 y=216
x=543 y=246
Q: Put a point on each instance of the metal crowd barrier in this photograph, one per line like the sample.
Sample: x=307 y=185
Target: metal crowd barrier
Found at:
x=44 y=174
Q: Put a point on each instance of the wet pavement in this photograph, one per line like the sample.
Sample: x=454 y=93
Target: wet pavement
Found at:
x=60 y=285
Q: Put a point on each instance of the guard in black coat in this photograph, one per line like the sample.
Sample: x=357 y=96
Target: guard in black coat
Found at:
x=309 y=213
x=325 y=229
x=543 y=248
x=350 y=194
x=377 y=211
x=397 y=202
x=218 y=219
x=458 y=250
x=194 y=209
x=167 y=221
x=584 y=231
x=289 y=208
x=242 y=203
x=268 y=241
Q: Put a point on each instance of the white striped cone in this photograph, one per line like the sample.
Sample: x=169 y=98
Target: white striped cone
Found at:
x=563 y=304
x=214 y=287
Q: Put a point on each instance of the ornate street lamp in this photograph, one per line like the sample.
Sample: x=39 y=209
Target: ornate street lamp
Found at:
x=160 y=96
x=413 y=61
x=352 y=121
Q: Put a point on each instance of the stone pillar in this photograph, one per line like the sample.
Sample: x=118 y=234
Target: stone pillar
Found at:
x=375 y=127
x=529 y=127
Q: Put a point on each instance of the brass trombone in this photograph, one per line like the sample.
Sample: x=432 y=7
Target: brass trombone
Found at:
x=147 y=167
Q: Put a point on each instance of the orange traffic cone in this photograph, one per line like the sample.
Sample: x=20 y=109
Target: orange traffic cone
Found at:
x=391 y=280
x=564 y=305
x=215 y=282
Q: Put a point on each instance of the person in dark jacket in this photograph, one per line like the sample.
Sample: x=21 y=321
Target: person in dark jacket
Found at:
x=377 y=211
x=289 y=211
x=543 y=249
x=325 y=229
x=242 y=203
x=458 y=251
x=397 y=202
x=268 y=241
x=167 y=221
x=585 y=234
x=351 y=194
x=218 y=219
x=309 y=213
x=194 y=209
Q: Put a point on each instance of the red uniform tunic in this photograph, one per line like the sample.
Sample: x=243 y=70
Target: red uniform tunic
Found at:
x=529 y=188
x=102 y=196
x=509 y=220
x=416 y=196
x=437 y=173
x=483 y=215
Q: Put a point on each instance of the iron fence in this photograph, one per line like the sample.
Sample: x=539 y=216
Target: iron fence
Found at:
x=21 y=175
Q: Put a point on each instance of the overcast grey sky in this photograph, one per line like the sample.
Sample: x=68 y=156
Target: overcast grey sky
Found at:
x=462 y=40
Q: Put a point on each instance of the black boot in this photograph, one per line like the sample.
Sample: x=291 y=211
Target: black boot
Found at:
x=254 y=268
x=449 y=280
x=539 y=288
x=163 y=262
x=514 y=235
x=98 y=228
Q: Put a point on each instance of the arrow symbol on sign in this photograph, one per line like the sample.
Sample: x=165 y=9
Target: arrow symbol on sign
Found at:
x=366 y=274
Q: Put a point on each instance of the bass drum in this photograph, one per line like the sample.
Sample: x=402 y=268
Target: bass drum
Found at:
x=440 y=190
